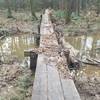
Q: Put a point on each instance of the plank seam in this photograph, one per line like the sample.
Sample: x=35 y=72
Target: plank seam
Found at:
x=47 y=81
x=61 y=85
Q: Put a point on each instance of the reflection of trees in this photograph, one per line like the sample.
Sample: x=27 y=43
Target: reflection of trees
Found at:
x=94 y=45
x=21 y=43
x=92 y=52
x=78 y=43
x=1 y=53
x=74 y=41
x=18 y=44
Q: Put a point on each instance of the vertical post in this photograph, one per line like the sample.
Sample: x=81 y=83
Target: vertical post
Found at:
x=37 y=36
x=33 y=61
x=67 y=55
x=37 y=40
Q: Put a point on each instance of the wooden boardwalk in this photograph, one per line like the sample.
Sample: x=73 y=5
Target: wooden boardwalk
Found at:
x=52 y=79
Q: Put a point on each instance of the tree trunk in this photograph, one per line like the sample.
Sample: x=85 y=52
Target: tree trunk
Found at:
x=68 y=11
x=8 y=5
x=78 y=7
x=15 y=5
x=32 y=10
x=98 y=7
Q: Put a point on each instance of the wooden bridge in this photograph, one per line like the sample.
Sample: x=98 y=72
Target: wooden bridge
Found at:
x=52 y=77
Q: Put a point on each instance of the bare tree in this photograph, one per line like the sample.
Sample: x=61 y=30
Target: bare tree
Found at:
x=33 y=10
x=8 y=5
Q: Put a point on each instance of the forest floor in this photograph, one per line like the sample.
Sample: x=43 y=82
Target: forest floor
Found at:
x=80 y=25
x=88 y=86
x=20 y=23
x=16 y=81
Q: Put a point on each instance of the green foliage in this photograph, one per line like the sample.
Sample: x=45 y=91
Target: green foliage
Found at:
x=2 y=4
x=59 y=14
x=14 y=98
x=75 y=16
x=24 y=82
x=2 y=98
x=17 y=97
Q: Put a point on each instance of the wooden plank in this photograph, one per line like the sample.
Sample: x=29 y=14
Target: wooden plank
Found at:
x=69 y=89
x=40 y=82
x=47 y=83
x=54 y=86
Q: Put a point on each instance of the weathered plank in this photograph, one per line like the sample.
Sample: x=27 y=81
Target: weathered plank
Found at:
x=48 y=85
x=69 y=89
x=54 y=85
x=40 y=82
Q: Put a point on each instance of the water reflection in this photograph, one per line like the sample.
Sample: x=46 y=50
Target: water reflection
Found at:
x=89 y=46
x=15 y=46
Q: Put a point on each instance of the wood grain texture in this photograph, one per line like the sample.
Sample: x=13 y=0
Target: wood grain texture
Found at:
x=54 y=85
x=69 y=89
x=40 y=82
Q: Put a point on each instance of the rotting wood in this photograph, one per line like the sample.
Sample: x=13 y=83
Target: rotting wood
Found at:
x=33 y=59
x=70 y=58
x=37 y=40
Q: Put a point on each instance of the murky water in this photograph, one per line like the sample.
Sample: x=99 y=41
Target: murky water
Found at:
x=89 y=45
x=14 y=46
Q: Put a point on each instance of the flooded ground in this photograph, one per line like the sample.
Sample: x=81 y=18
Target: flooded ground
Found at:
x=14 y=46
x=87 y=78
x=16 y=80
x=89 y=45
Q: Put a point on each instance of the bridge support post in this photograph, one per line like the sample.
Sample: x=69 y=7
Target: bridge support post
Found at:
x=33 y=59
x=37 y=40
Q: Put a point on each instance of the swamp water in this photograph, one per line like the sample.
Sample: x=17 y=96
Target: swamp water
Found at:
x=88 y=46
x=12 y=47
x=16 y=80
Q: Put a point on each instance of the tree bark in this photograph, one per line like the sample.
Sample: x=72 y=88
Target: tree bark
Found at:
x=8 y=5
x=68 y=11
x=32 y=10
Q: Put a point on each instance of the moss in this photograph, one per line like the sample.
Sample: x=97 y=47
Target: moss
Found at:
x=14 y=98
x=2 y=98
x=24 y=82
x=59 y=14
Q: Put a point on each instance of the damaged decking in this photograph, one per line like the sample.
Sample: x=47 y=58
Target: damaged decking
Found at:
x=52 y=79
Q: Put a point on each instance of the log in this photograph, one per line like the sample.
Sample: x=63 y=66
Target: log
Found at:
x=92 y=61
x=70 y=58
x=89 y=63
x=98 y=61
